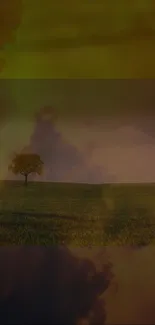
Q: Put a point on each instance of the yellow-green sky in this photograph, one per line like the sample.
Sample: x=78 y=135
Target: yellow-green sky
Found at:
x=80 y=39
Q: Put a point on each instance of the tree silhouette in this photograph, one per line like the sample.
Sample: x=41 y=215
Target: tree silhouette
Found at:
x=26 y=164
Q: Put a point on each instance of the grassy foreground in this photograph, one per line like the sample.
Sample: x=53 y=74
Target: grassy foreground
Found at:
x=76 y=214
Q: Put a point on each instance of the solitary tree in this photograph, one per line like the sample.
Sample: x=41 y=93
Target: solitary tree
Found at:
x=26 y=164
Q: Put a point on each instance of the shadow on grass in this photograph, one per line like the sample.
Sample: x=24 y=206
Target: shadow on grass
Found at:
x=35 y=214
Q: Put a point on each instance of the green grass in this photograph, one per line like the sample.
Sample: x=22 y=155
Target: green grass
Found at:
x=76 y=214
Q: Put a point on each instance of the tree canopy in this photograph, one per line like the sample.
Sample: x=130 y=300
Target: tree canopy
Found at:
x=26 y=164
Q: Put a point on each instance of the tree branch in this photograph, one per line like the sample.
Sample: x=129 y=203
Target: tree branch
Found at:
x=23 y=174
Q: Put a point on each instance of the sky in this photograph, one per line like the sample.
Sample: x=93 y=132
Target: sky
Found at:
x=91 y=131
x=87 y=69
x=77 y=39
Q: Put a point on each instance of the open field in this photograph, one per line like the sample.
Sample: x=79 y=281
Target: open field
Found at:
x=77 y=214
x=82 y=216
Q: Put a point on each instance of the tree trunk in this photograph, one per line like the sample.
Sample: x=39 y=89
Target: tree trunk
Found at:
x=25 y=183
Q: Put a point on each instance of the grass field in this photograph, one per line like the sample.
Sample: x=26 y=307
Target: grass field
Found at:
x=88 y=215
x=77 y=214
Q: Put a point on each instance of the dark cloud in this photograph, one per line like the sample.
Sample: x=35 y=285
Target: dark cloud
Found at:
x=49 y=286
x=52 y=285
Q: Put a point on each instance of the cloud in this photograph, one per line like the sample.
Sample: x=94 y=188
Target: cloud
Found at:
x=63 y=161
x=50 y=286
x=125 y=151
x=101 y=114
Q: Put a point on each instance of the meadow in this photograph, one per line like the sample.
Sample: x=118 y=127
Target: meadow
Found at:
x=76 y=214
